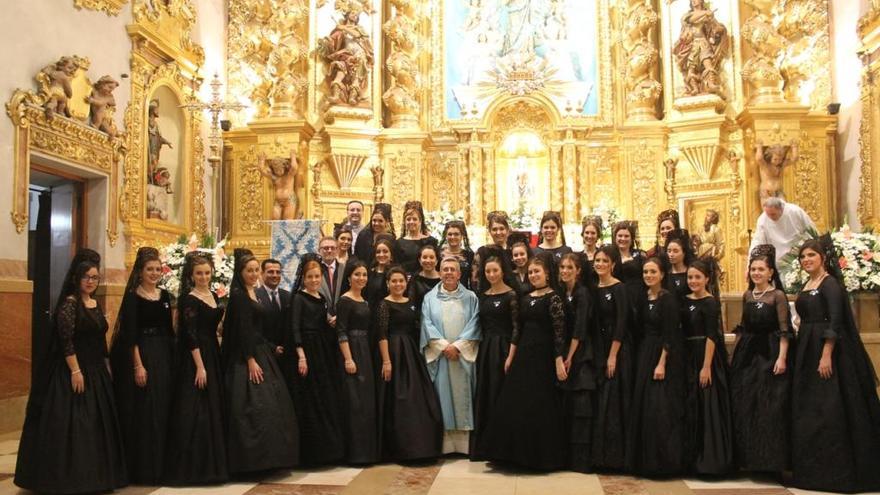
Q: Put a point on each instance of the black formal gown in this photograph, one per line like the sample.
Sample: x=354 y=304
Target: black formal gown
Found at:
x=419 y=286
x=613 y=395
x=144 y=411
x=761 y=401
x=484 y=253
x=406 y=252
x=376 y=288
x=262 y=431
x=318 y=395
x=630 y=273
x=556 y=252
x=580 y=387
x=361 y=420
x=836 y=421
x=522 y=284
x=678 y=285
x=709 y=428
x=527 y=427
x=656 y=429
x=72 y=443
x=499 y=324
x=196 y=451
x=412 y=421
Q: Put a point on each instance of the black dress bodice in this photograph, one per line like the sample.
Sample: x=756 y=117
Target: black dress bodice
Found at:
x=310 y=315
x=543 y=322
x=419 y=286
x=556 y=252
x=406 y=252
x=399 y=318
x=495 y=315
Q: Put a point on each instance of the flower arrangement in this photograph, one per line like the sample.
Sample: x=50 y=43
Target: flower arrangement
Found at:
x=609 y=216
x=436 y=220
x=174 y=254
x=523 y=218
x=858 y=256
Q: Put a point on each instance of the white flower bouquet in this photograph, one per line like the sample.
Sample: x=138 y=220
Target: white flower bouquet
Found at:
x=173 y=256
x=436 y=220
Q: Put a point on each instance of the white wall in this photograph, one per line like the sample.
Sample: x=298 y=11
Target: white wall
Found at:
x=846 y=74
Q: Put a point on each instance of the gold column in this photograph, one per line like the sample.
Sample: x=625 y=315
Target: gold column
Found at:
x=569 y=179
x=556 y=185
x=488 y=179
x=869 y=130
x=402 y=153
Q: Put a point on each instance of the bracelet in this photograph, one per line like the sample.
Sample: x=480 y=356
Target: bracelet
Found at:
x=386 y=363
x=76 y=372
x=139 y=367
x=302 y=358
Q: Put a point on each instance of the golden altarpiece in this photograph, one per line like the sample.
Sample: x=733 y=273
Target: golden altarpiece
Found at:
x=638 y=105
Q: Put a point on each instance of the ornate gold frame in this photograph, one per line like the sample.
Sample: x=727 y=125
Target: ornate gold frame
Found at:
x=869 y=131
x=67 y=139
x=110 y=7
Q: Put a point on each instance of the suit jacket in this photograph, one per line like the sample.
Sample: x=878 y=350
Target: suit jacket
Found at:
x=276 y=319
x=324 y=290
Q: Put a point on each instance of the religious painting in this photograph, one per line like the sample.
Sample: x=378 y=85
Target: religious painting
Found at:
x=518 y=47
x=165 y=160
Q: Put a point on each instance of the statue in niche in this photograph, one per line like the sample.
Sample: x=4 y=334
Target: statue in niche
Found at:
x=156 y=141
x=700 y=49
x=282 y=172
x=157 y=194
x=56 y=81
x=349 y=53
x=710 y=242
x=771 y=160
x=102 y=105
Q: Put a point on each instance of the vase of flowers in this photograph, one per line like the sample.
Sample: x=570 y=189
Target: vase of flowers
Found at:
x=173 y=256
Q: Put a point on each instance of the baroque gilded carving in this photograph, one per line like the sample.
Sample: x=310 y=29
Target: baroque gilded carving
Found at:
x=110 y=7
x=267 y=55
x=402 y=96
x=700 y=49
x=443 y=166
x=250 y=193
x=807 y=54
x=869 y=32
x=642 y=160
x=761 y=71
x=348 y=54
x=169 y=22
x=642 y=87
x=807 y=189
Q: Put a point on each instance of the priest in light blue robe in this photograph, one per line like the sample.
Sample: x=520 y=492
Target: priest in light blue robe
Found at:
x=450 y=341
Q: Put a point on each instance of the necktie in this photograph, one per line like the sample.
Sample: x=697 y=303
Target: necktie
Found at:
x=274 y=296
x=330 y=278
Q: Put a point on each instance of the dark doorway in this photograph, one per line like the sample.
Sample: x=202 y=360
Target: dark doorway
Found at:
x=56 y=231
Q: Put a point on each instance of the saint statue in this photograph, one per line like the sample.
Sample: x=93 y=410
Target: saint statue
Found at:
x=771 y=160
x=156 y=140
x=710 y=242
x=282 y=172
x=349 y=53
x=700 y=48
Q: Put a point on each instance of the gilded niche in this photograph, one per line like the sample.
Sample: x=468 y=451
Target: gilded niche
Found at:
x=348 y=54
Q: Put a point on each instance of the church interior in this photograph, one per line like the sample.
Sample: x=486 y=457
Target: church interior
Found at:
x=133 y=123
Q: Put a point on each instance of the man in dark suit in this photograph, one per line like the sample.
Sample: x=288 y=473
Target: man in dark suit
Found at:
x=331 y=285
x=277 y=301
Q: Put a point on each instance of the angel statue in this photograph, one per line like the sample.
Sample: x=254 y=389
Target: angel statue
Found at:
x=282 y=172
x=700 y=48
x=56 y=79
x=102 y=105
x=771 y=160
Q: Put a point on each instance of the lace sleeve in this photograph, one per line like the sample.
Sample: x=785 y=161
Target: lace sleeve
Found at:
x=191 y=322
x=66 y=325
x=383 y=318
x=343 y=311
x=557 y=315
x=514 y=318
x=782 y=315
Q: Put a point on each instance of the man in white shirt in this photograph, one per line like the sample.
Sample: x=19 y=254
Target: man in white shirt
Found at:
x=354 y=214
x=784 y=225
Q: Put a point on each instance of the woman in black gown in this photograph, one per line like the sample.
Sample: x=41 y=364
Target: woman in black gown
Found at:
x=591 y=233
x=614 y=363
x=261 y=423
x=680 y=255
x=361 y=415
x=656 y=430
x=499 y=229
x=499 y=323
x=580 y=387
x=412 y=422
x=667 y=221
x=836 y=413
x=415 y=235
x=455 y=243
x=760 y=371
x=422 y=282
x=527 y=427
x=142 y=356
x=71 y=441
x=552 y=237
x=383 y=258
x=316 y=381
x=380 y=225
x=196 y=452
x=709 y=429
x=520 y=254
x=629 y=270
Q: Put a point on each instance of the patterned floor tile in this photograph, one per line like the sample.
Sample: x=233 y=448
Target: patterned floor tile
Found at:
x=291 y=489
x=742 y=491
x=339 y=476
x=414 y=480
x=622 y=485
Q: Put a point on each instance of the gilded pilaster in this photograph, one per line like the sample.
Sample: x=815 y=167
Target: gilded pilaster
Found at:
x=569 y=180
x=401 y=98
x=556 y=184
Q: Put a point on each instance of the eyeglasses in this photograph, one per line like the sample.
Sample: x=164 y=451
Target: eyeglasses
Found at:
x=91 y=278
x=327 y=248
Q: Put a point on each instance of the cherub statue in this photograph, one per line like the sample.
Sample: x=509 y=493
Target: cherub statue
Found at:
x=59 y=90
x=162 y=178
x=283 y=173
x=156 y=139
x=771 y=160
x=102 y=105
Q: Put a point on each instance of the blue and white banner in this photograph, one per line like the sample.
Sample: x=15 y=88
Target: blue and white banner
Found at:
x=290 y=240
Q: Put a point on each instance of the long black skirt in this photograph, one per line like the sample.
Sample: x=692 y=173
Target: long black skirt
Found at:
x=74 y=445
x=318 y=399
x=835 y=422
x=262 y=431
x=144 y=411
x=490 y=378
x=411 y=415
x=761 y=404
x=656 y=429
x=196 y=443
x=709 y=428
x=361 y=417
x=613 y=398
x=528 y=425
